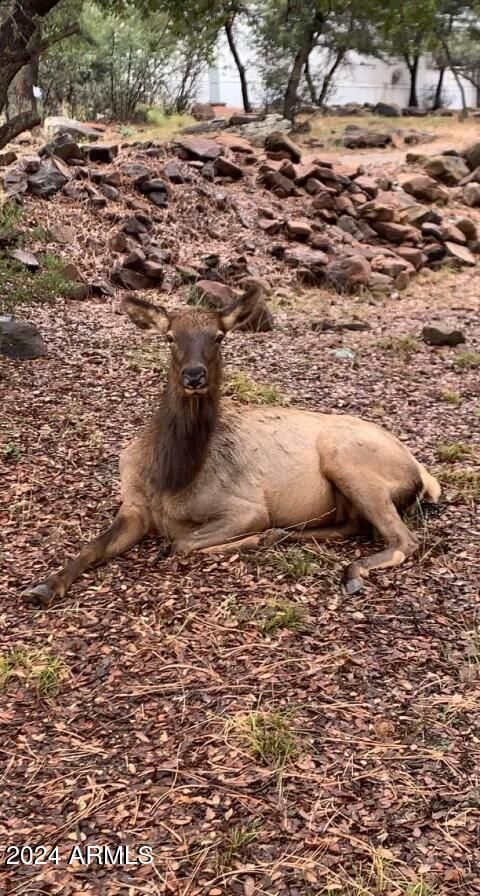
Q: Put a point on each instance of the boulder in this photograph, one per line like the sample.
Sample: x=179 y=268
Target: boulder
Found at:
x=287 y=168
x=395 y=233
x=59 y=124
x=64 y=147
x=173 y=172
x=309 y=261
x=217 y=295
x=324 y=200
x=450 y=170
x=270 y=225
x=472 y=155
x=389 y=110
x=468 y=228
x=224 y=167
x=258 y=129
x=437 y=334
x=128 y=278
x=471 y=195
x=363 y=138
x=104 y=153
x=15 y=182
x=25 y=258
x=412 y=255
x=52 y=175
x=349 y=273
x=20 y=340
x=279 y=184
x=110 y=192
x=203 y=127
x=453 y=234
x=202 y=112
x=460 y=253
x=376 y=211
x=278 y=141
x=367 y=185
x=298 y=230
x=423 y=187
x=8 y=157
x=198 y=148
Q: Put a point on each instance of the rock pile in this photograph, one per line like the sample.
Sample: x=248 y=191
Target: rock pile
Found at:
x=307 y=218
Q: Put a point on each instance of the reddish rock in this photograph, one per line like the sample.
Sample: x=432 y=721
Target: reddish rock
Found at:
x=287 y=168
x=448 y=169
x=198 y=148
x=348 y=273
x=173 y=172
x=278 y=142
x=468 y=228
x=218 y=295
x=278 y=184
x=453 y=234
x=392 y=266
x=471 y=195
x=270 y=225
x=415 y=256
x=224 y=167
x=377 y=211
x=421 y=186
x=153 y=270
x=298 y=230
x=367 y=185
x=344 y=205
x=395 y=233
x=460 y=253
x=313 y=186
x=304 y=256
x=325 y=199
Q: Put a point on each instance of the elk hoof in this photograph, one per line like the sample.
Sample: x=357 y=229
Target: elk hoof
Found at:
x=353 y=586
x=40 y=595
x=271 y=537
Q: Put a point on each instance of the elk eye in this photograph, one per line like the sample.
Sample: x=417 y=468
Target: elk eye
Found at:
x=219 y=337
x=170 y=338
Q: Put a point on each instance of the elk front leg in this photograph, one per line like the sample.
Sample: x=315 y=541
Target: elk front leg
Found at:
x=128 y=528
x=228 y=534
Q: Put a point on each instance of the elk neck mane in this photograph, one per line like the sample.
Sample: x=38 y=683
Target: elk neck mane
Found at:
x=182 y=430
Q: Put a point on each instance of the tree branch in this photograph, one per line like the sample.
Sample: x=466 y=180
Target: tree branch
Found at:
x=55 y=38
x=25 y=121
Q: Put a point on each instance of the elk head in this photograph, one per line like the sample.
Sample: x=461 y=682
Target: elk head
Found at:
x=194 y=335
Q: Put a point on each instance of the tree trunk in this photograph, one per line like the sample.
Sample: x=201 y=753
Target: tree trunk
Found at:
x=291 y=93
x=310 y=84
x=413 y=69
x=327 y=81
x=458 y=80
x=238 y=62
x=437 y=102
x=17 y=29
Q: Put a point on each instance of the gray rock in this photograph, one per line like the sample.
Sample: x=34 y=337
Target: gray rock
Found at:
x=389 y=110
x=448 y=169
x=25 y=257
x=437 y=334
x=472 y=155
x=59 y=124
x=63 y=146
x=20 y=340
x=8 y=157
x=355 y=137
x=49 y=179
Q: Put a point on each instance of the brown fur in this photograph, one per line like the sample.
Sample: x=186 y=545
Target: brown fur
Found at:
x=210 y=476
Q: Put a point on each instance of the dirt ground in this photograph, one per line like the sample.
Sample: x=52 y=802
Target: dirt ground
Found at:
x=259 y=730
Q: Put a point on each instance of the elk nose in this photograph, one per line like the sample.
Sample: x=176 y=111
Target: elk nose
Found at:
x=194 y=377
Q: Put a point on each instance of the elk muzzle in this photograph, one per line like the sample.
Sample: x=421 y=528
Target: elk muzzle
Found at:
x=194 y=379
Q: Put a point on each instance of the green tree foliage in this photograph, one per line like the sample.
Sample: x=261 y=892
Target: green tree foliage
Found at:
x=122 y=59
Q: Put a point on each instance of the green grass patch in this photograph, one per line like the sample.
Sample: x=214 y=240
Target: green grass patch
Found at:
x=39 y=668
x=403 y=346
x=283 y=614
x=246 y=390
x=465 y=481
x=147 y=357
x=10 y=218
x=235 y=845
x=10 y=451
x=467 y=360
x=450 y=396
x=449 y=452
x=268 y=736
x=22 y=287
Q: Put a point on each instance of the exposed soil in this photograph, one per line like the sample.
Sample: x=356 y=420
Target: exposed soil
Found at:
x=165 y=659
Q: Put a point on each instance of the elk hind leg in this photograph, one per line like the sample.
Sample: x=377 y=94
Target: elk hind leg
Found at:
x=127 y=529
x=371 y=497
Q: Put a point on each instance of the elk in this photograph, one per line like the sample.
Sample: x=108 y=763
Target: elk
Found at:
x=212 y=476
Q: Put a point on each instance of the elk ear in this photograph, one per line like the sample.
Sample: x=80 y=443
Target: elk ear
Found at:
x=240 y=309
x=145 y=315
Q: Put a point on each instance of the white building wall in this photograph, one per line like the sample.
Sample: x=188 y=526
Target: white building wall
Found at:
x=361 y=79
